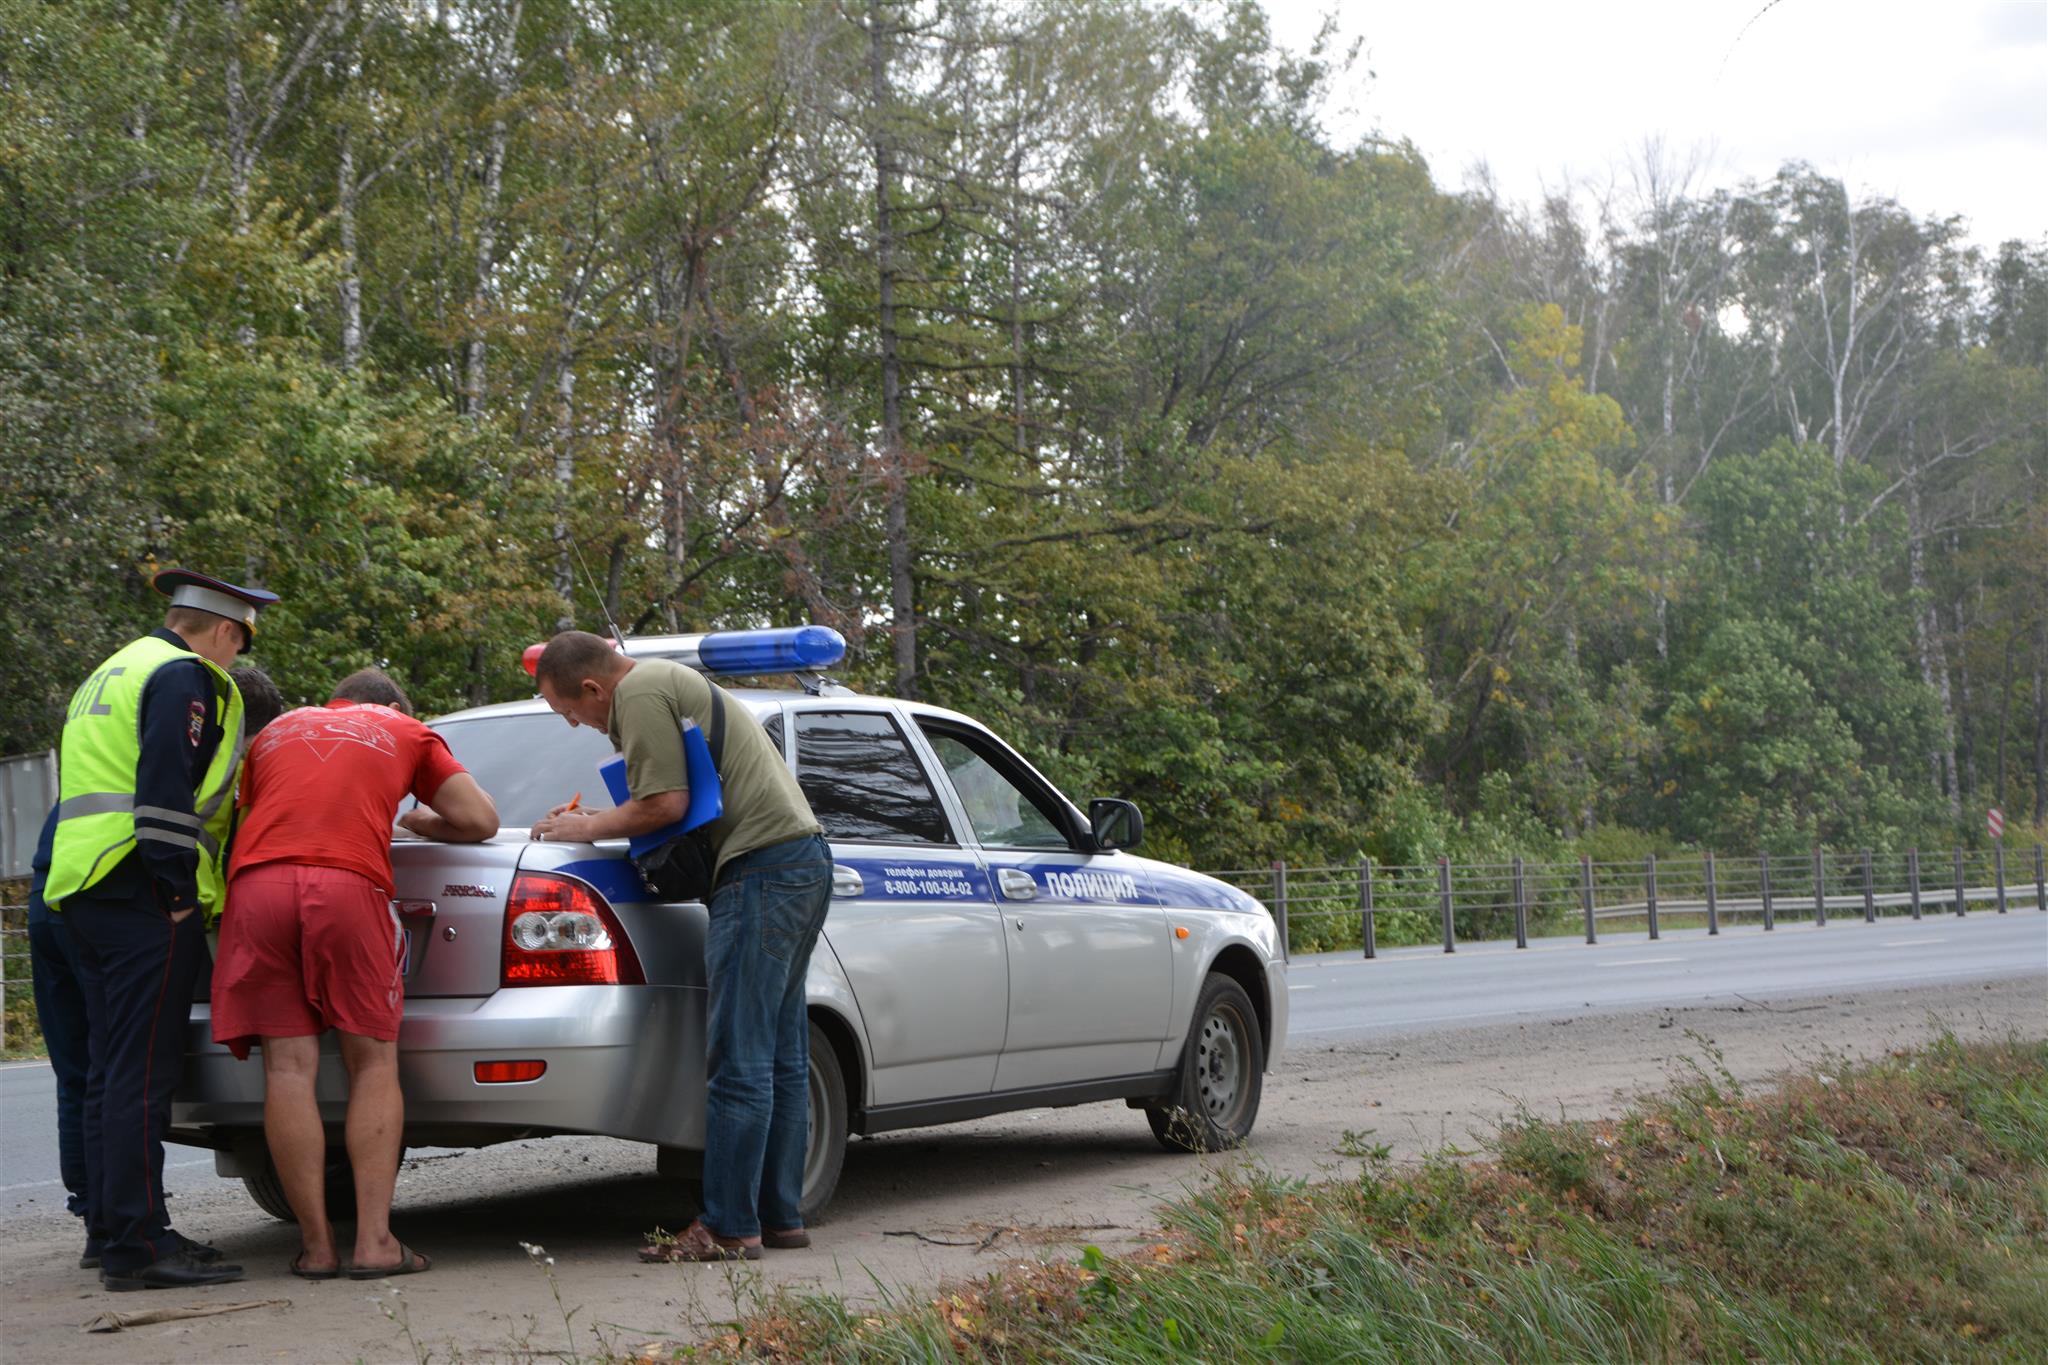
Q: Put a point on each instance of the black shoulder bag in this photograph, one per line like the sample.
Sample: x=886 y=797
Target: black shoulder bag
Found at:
x=682 y=869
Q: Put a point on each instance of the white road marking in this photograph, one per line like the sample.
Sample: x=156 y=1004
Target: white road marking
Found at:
x=1292 y=987
x=1637 y=961
x=1910 y=942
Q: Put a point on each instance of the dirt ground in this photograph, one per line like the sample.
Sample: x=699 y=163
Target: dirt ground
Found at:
x=913 y=1208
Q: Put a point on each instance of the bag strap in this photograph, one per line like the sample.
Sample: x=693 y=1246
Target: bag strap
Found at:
x=717 y=736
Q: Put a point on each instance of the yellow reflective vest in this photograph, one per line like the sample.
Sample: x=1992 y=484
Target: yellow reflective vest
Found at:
x=101 y=746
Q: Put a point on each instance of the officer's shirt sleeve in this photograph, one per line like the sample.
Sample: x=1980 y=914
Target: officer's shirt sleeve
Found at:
x=179 y=736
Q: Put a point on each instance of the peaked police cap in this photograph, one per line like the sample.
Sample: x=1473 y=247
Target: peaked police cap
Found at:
x=188 y=589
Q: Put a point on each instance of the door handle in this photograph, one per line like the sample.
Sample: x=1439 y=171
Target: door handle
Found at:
x=1015 y=885
x=414 y=909
x=846 y=882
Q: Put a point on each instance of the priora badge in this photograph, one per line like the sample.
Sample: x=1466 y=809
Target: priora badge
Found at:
x=470 y=889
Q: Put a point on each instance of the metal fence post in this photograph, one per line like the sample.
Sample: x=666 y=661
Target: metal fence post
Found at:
x=1913 y=878
x=1522 y=909
x=1443 y=887
x=1586 y=894
x=1713 y=907
x=1960 y=902
x=1998 y=861
x=1820 y=890
x=1650 y=890
x=1763 y=877
x=2040 y=881
x=1367 y=934
x=1869 y=896
x=1280 y=906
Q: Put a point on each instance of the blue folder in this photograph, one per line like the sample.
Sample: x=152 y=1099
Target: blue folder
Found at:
x=706 y=798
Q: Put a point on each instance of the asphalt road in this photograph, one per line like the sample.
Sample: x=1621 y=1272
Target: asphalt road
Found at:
x=1339 y=998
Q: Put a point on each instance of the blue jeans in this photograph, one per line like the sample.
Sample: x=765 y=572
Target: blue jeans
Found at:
x=60 y=1010
x=766 y=912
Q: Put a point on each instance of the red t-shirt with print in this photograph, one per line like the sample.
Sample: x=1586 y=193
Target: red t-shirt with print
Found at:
x=322 y=784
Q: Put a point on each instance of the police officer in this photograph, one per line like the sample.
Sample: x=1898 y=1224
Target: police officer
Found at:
x=145 y=802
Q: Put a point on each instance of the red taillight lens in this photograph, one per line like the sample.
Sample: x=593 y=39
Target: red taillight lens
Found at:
x=559 y=932
x=508 y=1073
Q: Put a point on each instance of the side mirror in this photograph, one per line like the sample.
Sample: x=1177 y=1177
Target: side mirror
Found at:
x=1115 y=823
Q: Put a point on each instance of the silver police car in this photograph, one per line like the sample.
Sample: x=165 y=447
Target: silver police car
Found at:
x=989 y=948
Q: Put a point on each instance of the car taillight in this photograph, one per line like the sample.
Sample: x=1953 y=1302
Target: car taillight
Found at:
x=559 y=932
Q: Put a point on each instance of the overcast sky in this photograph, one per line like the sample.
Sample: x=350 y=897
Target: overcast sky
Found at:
x=1939 y=104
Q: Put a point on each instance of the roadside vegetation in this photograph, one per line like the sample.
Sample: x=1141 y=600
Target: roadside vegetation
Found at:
x=1890 y=1211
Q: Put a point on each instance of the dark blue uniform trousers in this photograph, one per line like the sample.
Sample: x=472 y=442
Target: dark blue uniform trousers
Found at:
x=138 y=970
x=60 y=1011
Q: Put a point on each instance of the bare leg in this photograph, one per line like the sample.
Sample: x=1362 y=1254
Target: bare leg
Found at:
x=298 y=1144
x=376 y=1130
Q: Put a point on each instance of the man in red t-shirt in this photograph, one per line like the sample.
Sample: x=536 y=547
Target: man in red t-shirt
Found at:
x=309 y=941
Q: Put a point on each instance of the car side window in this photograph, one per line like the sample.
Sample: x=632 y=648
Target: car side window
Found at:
x=862 y=780
x=1005 y=808
x=773 y=725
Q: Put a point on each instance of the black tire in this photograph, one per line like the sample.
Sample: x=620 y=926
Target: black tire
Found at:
x=1216 y=1088
x=682 y=1168
x=825 y=1149
x=261 y=1180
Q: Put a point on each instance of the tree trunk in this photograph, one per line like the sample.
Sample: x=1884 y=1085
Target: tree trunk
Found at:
x=2040 y=723
x=565 y=479
x=351 y=271
x=1933 y=658
x=896 y=520
x=502 y=58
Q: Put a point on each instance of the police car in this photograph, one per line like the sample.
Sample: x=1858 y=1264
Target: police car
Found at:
x=988 y=948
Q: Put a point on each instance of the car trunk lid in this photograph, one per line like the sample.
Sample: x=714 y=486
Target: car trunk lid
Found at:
x=451 y=901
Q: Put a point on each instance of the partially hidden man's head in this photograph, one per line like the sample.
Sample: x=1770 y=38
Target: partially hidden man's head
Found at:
x=374 y=687
x=262 y=703
x=577 y=673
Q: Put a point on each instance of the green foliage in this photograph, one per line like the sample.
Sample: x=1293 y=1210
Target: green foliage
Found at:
x=1219 y=464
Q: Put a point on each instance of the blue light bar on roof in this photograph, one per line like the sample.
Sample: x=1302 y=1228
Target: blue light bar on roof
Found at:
x=796 y=649
x=736 y=653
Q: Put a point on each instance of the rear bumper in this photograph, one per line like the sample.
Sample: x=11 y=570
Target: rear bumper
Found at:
x=622 y=1061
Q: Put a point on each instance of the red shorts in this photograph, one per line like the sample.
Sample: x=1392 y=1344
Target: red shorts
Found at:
x=305 y=949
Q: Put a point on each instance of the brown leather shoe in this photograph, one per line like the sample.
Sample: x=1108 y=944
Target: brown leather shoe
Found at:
x=788 y=1239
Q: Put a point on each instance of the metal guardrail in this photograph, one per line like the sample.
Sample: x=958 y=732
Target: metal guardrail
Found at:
x=1492 y=902
x=1474 y=902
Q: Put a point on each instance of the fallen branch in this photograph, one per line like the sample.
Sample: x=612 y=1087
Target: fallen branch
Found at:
x=114 y=1322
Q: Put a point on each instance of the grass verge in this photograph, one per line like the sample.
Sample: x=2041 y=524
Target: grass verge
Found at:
x=1891 y=1211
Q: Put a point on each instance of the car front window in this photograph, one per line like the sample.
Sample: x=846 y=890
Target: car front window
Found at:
x=1002 y=813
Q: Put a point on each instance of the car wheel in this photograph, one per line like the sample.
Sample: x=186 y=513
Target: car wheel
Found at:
x=1215 y=1097
x=266 y=1187
x=825 y=1146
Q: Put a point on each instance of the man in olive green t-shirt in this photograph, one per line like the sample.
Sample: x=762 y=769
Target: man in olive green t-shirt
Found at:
x=767 y=906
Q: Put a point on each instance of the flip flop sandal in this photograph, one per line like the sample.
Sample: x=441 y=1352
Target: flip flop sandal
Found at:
x=410 y=1263
x=299 y=1269
x=785 y=1239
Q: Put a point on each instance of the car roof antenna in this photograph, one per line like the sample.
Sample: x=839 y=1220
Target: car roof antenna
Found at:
x=591 y=583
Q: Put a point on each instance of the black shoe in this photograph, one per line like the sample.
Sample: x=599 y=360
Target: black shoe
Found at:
x=198 y=1251
x=90 y=1259
x=176 y=1271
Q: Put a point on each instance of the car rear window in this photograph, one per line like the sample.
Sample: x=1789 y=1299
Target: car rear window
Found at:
x=530 y=763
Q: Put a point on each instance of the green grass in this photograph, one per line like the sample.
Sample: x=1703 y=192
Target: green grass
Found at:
x=1895 y=1211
